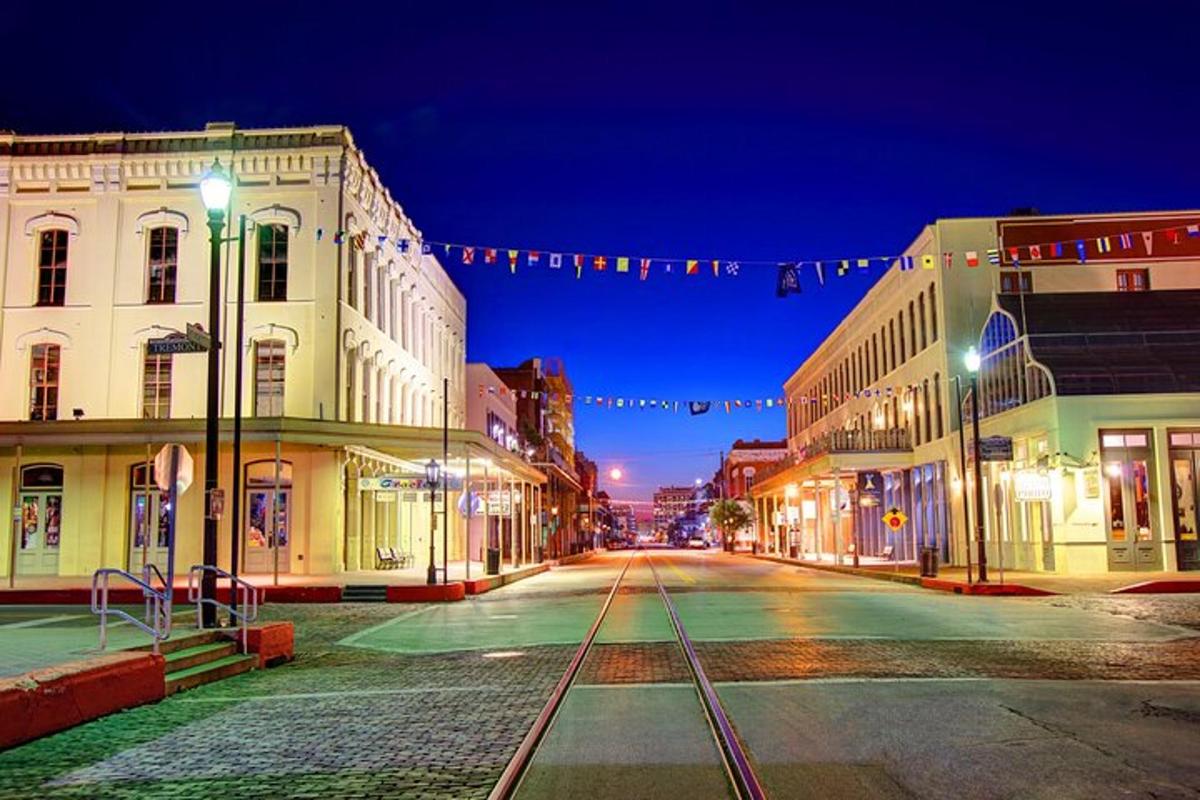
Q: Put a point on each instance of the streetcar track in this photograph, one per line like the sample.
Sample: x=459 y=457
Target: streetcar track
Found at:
x=734 y=761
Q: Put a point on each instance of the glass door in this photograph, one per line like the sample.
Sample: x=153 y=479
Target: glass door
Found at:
x=1185 y=459
x=1133 y=542
x=268 y=517
x=149 y=521
x=41 y=505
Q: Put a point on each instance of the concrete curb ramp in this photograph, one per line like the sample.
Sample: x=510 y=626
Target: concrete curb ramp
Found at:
x=62 y=696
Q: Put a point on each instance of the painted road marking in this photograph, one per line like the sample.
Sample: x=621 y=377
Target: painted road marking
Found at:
x=354 y=637
x=33 y=623
x=680 y=573
x=356 y=693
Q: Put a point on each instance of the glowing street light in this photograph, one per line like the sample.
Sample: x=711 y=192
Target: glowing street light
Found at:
x=972 y=361
x=616 y=474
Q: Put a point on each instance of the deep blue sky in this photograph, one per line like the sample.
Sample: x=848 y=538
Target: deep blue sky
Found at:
x=732 y=130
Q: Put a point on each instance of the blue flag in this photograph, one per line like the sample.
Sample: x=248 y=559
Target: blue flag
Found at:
x=697 y=407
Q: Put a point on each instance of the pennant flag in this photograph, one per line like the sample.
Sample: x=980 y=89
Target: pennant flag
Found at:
x=620 y=402
x=737 y=403
x=993 y=256
x=622 y=264
x=788 y=280
x=972 y=258
x=578 y=267
x=599 y=263
x=820 y=268
x=906 y=263
x=770 y=402
x=556 y=261
x=1081 y=248
x=1173 y=236
x=645 y=269
x=426 y=248
x=1126 y=241
x=716 y=265
x=948 y=260
x=675 y=409
x=1148 y=239
x=1193 y=231
x=863 y=263
x=402 y=244
x=727 y=405
x=446 y=247
x=320 y=233
x=532 y=258
x=758 y=405
x=1103 y=244
x=1014 y=255
x=641 y=403
x=468 y=255
x=1035 y=252
x=732 y=267
x=339 y=237
x=928 y=262
x=693 y=266
x=512 y=261
x=1056 y=250
x=380 y=239
x=489 y=255
x=843 y=267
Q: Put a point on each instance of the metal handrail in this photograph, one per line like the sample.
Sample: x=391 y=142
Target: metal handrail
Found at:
x=157 y=624
x=247 y=610
x=147 y=569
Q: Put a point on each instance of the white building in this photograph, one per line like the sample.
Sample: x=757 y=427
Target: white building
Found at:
x=350 y=335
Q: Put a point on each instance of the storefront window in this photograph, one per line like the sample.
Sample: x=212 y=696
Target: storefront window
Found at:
x=1116 y=501
x=1185 y=498
x=1141 y=499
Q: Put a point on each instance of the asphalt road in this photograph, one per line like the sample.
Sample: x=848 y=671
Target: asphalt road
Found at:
x=838 y=687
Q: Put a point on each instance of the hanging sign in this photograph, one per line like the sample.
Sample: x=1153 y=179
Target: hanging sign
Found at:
x=992 y=448
x=870 y=489
x=403 y=483
x=894 y=518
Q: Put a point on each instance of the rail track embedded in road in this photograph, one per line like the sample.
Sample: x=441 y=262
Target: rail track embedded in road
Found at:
x=742 y=780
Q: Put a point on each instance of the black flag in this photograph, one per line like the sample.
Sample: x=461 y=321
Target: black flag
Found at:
x=699 y=407
x=789 y=280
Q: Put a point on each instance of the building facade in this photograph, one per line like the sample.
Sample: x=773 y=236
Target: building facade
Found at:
x=873 y=413
x=744 y=461
x=672 y=503
x=353 y=354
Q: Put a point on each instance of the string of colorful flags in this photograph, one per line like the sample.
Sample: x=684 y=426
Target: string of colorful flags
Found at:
x=788 y=270
x=695 y=407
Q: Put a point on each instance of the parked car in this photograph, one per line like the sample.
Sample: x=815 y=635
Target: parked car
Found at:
x=697 y=543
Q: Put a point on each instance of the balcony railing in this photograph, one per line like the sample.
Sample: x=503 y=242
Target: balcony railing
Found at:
x=856 y=441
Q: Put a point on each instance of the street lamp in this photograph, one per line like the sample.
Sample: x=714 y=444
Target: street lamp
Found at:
x=215 y=188
x=972 y=361
x=433 y=473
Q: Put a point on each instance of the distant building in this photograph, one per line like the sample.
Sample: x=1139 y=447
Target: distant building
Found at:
x=624 y=519
x=671 y=503
x=744 y=461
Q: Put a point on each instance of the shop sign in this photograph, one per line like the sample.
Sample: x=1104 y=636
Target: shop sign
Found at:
x=403 y=483
x=870 y=489
x=216 y=503
x=894 y=518
x=994 y=448
x=839 y=499
x=385 y=497
x=1031 y=486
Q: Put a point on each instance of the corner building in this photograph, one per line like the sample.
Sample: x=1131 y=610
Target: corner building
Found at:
x=1089 y=369
x=351 y=333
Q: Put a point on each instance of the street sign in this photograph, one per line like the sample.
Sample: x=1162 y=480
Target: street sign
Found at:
x=162 y=469
x=992 y=448
x=197 y=336
x=216 y=503
x=172 y=345
x=870 y=489
x=894 y=518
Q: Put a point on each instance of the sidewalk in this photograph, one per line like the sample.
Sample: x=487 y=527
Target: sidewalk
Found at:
x=404 y=585
x=1008 y=582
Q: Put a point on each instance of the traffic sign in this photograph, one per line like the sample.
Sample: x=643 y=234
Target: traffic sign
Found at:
x=197 y=336
x=171 y=345
x=162 y=469
x=894 y=518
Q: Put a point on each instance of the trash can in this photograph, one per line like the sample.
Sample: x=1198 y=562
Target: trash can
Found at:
x=929 y=562
x=493 y=561
x=793 y=551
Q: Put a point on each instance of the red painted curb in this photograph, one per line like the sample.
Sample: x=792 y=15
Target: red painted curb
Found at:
x=273 y=642
x=1160 y=587
x=60 y=697
x=985 y=589
x=129 y=596
x=438 y=593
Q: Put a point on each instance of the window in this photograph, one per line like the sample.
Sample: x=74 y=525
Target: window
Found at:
x=268 y=378
x=156 y=387
x=937 y=404
x=921 y=304
x=933 y=313
x=52 y=268
x=162 y=262
x=43 y=382
x=368 y=286
x=272 y=262
x=912 y=329
x=352 y=274
x=903 y=353
x=1016 y=283
x=1133 y=280
x=892 y=340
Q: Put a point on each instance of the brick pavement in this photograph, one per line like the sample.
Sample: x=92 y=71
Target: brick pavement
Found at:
x=649 y=662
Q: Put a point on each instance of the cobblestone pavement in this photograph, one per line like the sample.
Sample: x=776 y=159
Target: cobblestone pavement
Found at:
x=1170 y=609
x=651 y=662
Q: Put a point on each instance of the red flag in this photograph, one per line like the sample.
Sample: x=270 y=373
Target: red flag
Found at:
x=489 y=255
x=645 y=272
x=1035 y=252
x=468 y=255
x=600 y=263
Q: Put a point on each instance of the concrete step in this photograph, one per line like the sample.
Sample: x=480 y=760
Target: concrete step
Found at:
x=179 y=660
x=182 y=640
x=365 y=593
x=201 y=674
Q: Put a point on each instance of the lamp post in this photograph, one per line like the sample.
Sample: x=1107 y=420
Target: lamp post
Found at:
x=215 y=188
x=554 y=531
x=433 y=472
x=972 y=362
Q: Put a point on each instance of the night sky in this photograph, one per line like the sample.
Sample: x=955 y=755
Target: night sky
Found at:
x=728 y=131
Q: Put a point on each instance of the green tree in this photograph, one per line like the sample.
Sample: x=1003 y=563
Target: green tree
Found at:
x=730 y=516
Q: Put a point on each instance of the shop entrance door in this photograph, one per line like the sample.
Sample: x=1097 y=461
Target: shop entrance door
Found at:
x=1127 y=458
x=149 y=521
x=41 y=519
x=1185 y=494
x=268 y=517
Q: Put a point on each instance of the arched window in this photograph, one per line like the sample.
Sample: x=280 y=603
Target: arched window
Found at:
x=925 y=408
x=368 y=305
x=44 y=363
x=351 y=361
x=162 y=264
x=892 y=340
x=52 y=267
x=269 y=373
x=351 y=272
x=921 y=304
x=272 y=262
x=933 y=319
x=903 y=349
x=937 y=404
x=912 y=328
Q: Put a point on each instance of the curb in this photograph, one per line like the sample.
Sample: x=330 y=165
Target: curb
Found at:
x=936 y=584
x=1159 y=587
x=484 y=585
